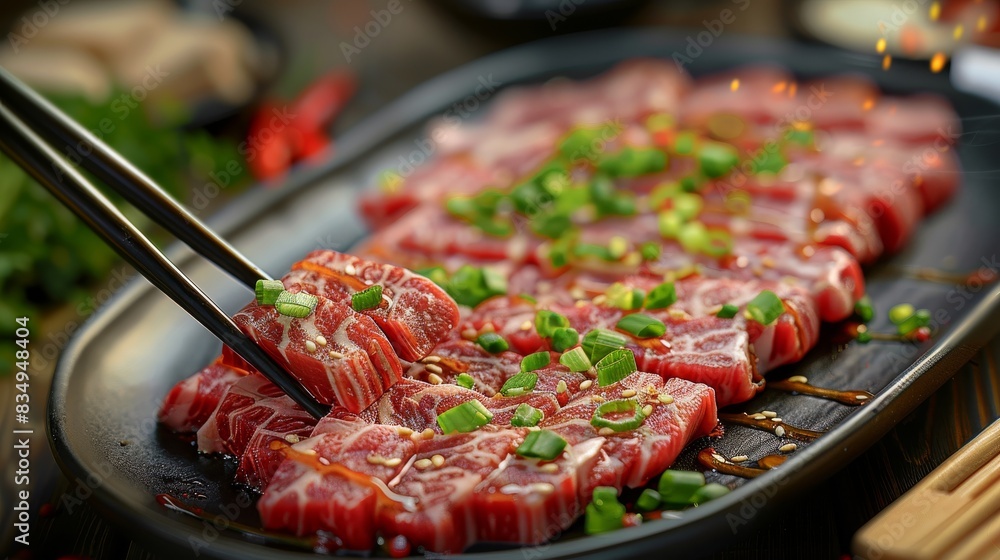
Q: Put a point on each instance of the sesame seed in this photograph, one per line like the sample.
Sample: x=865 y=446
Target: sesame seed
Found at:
x=628 y=393
x=324 y=461
x=549 y=468
x=798 y=379
x=776 y=420
x=310 y=346
x=349 y=269
x=321 y=340
x=779 y=431
x=394 y=462
x=759 y=417
x=526 y=326
x=605 y=431
x=437 y=460
x=584 y=385
x=291 y=438
x=647 y=410
x=404 y=431
x=434 y=369
x=422 y=463
x=561 y=386
x=719 y=458
x=666 y=399
x=470 y=334
x=336 y=355
x=580 y=303
x=769 y=413
x=787 y=448
x=434 y=379
x=861 y=397
x=740 y=459
x=431 y=359
x=375 y=459
x=577 y=293
x=599 y=300
x=598 y=398
x=427 y=433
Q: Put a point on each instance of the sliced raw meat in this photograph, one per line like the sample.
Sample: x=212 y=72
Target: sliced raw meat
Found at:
x=253 y=414
x=191 y=402
x=415 y=313
x=632 y=457
x=336 y=480
x=354 y=366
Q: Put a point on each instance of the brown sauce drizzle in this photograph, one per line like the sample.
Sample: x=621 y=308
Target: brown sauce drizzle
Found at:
x=848 y=397
x=768 y=424
x=709 y=458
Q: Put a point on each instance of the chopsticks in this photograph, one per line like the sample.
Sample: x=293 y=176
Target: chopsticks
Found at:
x=952 y=513
x=46 y=165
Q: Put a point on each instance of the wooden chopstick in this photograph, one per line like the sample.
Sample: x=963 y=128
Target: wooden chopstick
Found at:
x=47 y=166
x=59 y=130
x=953 y=513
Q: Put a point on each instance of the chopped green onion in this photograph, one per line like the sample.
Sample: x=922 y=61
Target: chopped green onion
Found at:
x=621 y=424
x=614 y=367
x=693 y=236
x=494 y=225
x=717 y=158
x=471 y=285
x=617 y=247
x=299 y=304
x=864 y=309
x=691 y=184
x=864 y=337
x=559 y=251
x=465 y=380
x=728 y=311
x=492 y=342
x=464 y=418
x=542 y=444
x=900 y=313
x=598 y=343
x=591 y=250
x=718 y=243
x=661 y=194
x=773 y=162
x=462 y=207
x=678 y=487
x=622 y=204
x=632 y=162
x=368 y=298
x=708 y=492
x=661 y=297
x=528 y=298
x=920 y=318
x=538 y=360
x=575 y=360
x=669 y=224
x=519 y=384
x=435 y=274
x=649 y=500
x=650 y=251
x=623 y=297
x=584 y=143
x=802 y=137
x=526 y=416
x=552 y=226
x=546 y=322
x=766 y=307
x=267 y=291
x=687 y=205
x=564 y=338
x=604 y=513
x=641 y=325
x=685 y=142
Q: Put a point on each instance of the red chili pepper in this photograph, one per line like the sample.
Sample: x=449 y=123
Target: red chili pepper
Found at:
x=323 y=100
x=269 y=150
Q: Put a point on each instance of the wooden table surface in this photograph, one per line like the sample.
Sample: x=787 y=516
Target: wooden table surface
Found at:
x=425 y=42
